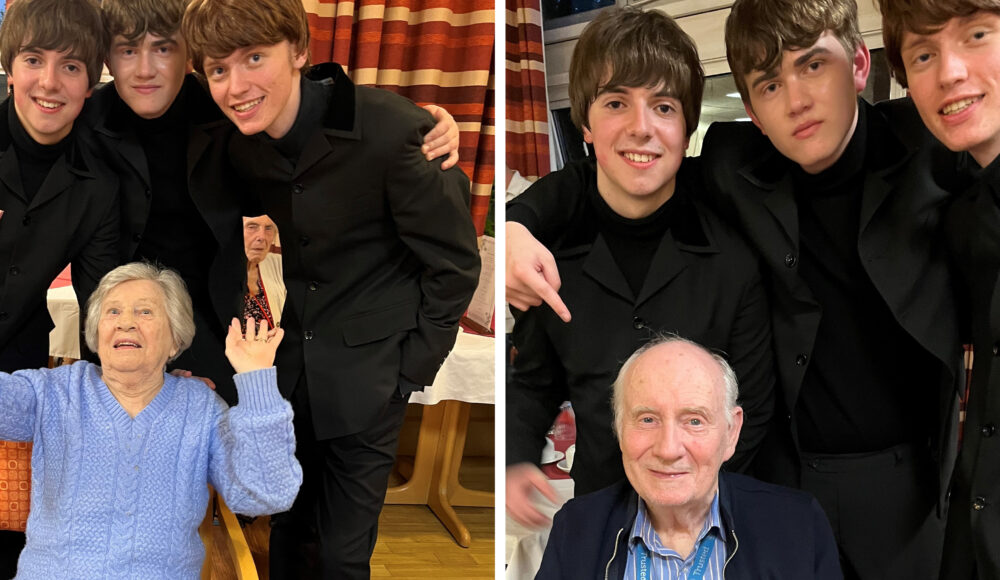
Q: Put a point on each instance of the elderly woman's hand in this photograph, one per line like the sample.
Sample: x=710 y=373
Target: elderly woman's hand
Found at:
x=256 y=350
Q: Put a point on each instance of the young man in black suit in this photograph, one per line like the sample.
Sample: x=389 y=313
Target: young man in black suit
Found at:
x=380 y=261
x=58 y=201
x=948 y=55
x=843 y=202
x=182 y=204
x=635 y=257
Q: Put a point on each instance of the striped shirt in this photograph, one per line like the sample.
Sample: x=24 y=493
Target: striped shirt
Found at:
x=666 y=564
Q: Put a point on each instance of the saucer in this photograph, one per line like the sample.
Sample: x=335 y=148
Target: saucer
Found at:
x=552 y=456
x=563 y=466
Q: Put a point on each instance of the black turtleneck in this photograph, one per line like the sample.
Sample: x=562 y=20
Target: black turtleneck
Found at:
x=34 y=159
x=175 y=234
x=869 y=385
x=633 y=242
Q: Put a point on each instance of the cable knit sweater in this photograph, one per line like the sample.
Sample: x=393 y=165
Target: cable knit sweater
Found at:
x=117 y=497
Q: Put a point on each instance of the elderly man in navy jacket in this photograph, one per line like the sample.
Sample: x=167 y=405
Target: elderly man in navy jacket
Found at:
x=677 y=421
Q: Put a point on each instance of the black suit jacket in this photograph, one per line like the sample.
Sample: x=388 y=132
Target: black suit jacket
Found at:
x=379 y=252
x=973 y=228
x=73 y=218
x=899 y=242
x=703 y=284
x=217 y=194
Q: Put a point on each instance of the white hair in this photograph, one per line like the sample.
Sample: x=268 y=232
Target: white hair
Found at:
x=731 y=387
x=176 y=299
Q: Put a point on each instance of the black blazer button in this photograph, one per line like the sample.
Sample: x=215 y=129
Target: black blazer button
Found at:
x=137 y=237
x=638 y=323
x=313 y=285
x=27 y=220
x=801 y=360
x=297 y=188
x=790 y=260
x=308 y=335
x=979 y=504
x=14 y=270
x=988 y=430
x=996 y=349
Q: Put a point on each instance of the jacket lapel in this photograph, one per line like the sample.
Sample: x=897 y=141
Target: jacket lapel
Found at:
x=59 y=179
x=601 y=266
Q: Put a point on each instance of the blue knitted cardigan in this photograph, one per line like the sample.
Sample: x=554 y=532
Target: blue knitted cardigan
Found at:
x=117 y=497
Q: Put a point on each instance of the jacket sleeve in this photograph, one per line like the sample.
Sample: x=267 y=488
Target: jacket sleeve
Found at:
x=549 y=207
x=430 y=209
x=752 y=358
x=252 y=458
x=535 y=388
x=100 y=254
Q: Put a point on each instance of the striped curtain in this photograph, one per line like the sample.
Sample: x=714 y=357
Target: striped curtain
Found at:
x=527 y=116
x=431 y=51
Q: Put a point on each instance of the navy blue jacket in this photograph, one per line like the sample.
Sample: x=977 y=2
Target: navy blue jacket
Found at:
x=772 y=532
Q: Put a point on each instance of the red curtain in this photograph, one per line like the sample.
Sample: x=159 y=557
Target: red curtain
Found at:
x=527 y=118
x=431 y=51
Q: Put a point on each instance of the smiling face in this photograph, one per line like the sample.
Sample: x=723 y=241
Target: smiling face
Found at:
x=258 y=87
x=133 y=332
x=808 y=107
x=954 y=80
x=50 y=88
x=639 y=140
x=674 y=434
x=258 y=235
x=148 y=71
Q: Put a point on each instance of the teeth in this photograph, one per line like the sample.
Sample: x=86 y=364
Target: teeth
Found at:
x=47 y=104
x=639 y=158
x=242 y=108
x=958 y=106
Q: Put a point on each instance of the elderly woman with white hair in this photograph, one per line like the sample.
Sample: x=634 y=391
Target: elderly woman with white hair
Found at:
x=123 y=451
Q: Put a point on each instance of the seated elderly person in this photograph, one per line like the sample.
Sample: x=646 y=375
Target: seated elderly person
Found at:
x=123 y=451
x=676 y=516
x=265 y=295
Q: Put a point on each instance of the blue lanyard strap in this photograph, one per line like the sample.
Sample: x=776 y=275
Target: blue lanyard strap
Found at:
x=698 y=567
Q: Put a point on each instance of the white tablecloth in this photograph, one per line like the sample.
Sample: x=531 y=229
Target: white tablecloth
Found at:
x=466 y=375
x=525 y=546
x=64 y=339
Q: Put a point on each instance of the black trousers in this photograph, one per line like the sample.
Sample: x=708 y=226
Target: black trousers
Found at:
x=331 y=529
x=882 y=507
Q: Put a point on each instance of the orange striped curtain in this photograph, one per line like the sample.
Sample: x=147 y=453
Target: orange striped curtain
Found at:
x=431 y=51
x=527 y=118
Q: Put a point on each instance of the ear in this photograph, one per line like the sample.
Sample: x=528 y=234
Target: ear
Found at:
x=301 y=58
x=862 y=63
x=734 y=432
x=587 y=136
x=753 y=117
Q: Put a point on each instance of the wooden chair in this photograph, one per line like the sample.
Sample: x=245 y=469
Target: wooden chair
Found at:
x=237 y=547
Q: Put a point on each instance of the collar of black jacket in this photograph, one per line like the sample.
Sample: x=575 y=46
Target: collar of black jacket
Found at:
x=341 y=114
x=78 y=159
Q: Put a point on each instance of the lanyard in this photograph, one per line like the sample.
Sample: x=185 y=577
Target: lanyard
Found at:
x=265 y=311
x=698 y=567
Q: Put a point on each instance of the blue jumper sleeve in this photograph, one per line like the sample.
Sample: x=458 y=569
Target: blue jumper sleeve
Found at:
x=252 y=460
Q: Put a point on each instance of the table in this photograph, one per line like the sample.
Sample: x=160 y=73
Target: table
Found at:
x=466 y=377
x=525 y=546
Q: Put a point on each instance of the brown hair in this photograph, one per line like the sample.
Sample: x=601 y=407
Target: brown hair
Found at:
x=759 y=31
x=133 y=19
x=60 y=25
x=217 y=28
x=627 y=47
x=921 y=17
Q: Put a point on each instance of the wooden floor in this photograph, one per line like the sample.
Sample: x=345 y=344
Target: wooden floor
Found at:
x=412 y=543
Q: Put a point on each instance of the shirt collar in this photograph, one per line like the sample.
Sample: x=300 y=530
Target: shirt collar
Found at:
x=642 y=529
